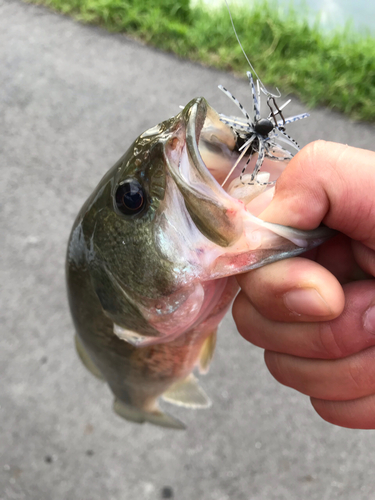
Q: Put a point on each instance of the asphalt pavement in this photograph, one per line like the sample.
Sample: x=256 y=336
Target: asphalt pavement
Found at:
x=72 y=99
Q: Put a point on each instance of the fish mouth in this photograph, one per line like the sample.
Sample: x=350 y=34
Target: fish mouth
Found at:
x=200 y=154
x=209 y=140
x=213 y=146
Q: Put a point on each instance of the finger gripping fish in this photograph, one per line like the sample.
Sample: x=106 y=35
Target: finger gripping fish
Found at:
x=152 y=255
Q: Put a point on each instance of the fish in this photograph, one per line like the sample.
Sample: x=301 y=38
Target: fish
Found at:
x=152 y=258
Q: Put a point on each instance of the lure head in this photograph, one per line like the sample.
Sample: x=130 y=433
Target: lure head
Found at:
x=263 y=126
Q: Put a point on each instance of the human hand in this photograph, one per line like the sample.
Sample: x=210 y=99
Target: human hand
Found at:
x=316 y=318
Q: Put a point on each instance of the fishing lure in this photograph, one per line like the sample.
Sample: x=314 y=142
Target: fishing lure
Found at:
x=259 y=135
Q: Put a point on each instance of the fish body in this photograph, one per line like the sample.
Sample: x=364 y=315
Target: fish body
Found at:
x=152 y=257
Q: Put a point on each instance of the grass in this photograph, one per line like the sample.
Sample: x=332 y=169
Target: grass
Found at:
x=334 y=70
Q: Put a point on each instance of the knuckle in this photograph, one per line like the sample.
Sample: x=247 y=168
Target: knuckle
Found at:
x=248 y=331
x=329 y=339
x=317 y=148
x=312 y=157
x=357 y=376
x=360 y=370
x=246 y=282
x=238 y=311
x=275 y=366
x=313 y=152
x=241 y=316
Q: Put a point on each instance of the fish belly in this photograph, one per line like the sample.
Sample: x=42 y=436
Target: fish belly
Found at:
x=139 y=376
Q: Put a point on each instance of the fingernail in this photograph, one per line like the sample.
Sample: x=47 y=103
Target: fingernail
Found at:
x=307 y=302
x=369 y=320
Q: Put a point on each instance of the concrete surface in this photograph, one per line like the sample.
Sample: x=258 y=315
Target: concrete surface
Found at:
x=72 y=99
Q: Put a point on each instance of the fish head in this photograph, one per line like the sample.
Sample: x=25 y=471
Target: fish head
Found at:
x=160 y=229
x=146 y=222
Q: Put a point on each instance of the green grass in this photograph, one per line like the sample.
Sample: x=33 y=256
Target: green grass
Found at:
x=334 y=70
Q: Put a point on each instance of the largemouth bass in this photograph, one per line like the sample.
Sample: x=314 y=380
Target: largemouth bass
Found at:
x=152 y=257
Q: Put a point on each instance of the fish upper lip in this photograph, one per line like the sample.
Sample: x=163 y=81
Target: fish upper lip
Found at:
x=196 y=115
x=188 y=134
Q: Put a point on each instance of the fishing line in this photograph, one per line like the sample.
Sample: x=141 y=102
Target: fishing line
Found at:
x=263 y=87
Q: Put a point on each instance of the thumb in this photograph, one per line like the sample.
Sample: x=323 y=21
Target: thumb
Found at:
x=328 y=183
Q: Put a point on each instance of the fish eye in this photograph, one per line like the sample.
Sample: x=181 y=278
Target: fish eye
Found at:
x=130 y=198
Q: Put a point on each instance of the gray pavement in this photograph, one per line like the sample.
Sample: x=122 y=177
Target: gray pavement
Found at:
x=72 y=98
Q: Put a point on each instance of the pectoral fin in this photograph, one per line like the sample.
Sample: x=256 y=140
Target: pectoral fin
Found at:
x=133 y=338
x=155 y=417
x=85 y=358
x=187 y=393
x=207 y=352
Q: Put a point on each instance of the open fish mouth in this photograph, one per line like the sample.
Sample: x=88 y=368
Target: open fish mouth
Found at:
x=212 y=151
x=200 y=152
